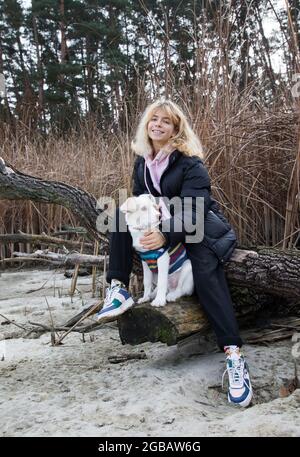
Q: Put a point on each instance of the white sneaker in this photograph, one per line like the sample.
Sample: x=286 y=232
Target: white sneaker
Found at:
x=240 y=389
x=116 y=302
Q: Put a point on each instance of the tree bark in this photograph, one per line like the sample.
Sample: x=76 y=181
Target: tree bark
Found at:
x=39 y=68
x=168 y=324
x=62 y=26
x=176 y=321
x=270 y=270
x=15 y=185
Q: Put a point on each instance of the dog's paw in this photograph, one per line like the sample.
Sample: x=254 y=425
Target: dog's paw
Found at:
x=144 y=299
x=172 y=296
x=157 y=302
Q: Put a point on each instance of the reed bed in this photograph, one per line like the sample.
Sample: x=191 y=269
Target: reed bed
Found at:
x=250 y=148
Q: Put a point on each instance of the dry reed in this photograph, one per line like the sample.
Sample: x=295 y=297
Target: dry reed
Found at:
x=250 y=138
x=250 y=154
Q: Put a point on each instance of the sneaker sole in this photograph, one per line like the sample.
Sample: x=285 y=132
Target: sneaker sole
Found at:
x=243 y=403
x=118 y=311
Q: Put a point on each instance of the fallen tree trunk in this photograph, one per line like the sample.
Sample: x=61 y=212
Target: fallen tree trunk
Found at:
x=270 y=270
x=15 y=185
x=168 y=324
x=255 y=270
x=267 y=269
x=175 y=322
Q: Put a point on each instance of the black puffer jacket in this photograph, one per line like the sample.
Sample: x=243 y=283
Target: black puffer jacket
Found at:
x=188 y=177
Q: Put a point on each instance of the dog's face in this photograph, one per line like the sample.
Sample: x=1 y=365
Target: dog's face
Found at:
x=141 y=212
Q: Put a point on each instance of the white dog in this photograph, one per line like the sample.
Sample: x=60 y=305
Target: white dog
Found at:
x=168 y=269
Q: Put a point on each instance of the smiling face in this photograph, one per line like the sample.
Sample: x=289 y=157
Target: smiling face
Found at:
x=160 y=128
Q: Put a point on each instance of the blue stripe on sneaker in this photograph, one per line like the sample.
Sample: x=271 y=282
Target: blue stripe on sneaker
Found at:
x=242 y=397
x=124 y=293
x=115 y=304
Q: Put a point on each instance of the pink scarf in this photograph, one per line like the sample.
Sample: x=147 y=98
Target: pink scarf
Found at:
x=156 y=167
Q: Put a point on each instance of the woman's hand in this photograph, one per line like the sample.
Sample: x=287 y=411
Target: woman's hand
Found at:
x=153 y=240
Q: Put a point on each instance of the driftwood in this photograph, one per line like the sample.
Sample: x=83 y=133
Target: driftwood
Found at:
x=145 y=323
x=89 y=312
x=270 y=270
x=176 y=322
x=168 y=324
x=42 y=240
x=15 y=185
x=179 y=322
x=69 y=259
x=124 y=357
x=67 y=230
x=274 y=331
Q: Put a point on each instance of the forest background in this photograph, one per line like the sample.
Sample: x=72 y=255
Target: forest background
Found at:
x=79 y=73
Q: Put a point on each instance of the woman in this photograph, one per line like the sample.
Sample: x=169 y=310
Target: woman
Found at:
x=170 y=164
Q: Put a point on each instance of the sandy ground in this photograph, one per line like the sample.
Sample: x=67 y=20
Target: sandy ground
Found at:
x=74 y=390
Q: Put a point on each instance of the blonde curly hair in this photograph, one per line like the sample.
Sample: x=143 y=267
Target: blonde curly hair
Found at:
x=185 y=139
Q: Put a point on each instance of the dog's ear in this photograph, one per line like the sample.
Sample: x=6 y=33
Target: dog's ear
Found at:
x=129 y=206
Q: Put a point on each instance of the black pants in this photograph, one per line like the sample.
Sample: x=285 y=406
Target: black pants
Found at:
x=210 y=282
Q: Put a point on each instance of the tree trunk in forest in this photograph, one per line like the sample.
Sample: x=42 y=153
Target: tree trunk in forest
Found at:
x=40 y=71
x=62 y=26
